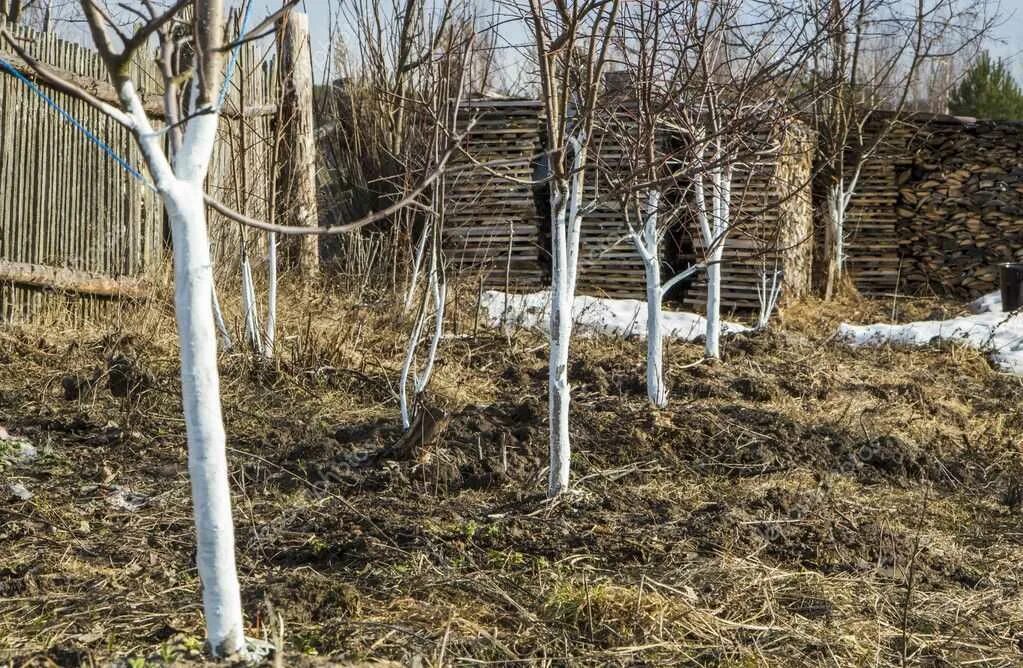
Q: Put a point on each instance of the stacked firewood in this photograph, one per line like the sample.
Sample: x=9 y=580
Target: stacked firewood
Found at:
x=961 y=209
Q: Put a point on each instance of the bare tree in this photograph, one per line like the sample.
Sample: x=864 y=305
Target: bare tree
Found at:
x=713 y=84
x=571 y=42
x=191 y=130
x=441 y=94
x=872 y=56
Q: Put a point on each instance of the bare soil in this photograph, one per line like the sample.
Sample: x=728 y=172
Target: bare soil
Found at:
x=799 y=503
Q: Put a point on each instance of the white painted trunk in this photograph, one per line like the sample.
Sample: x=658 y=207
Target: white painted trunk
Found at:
x=836 y=200
x=440 y=293
x=561 y=334
x=712 y=346
x=566 y=227
x=270 y=329
x=249 y=305
x=200 y=388
x=218 y=316
x=649 y=250
x=406 y=369
x=417 y=264
x=200 y=393
x=720 y=214
x=181 y=188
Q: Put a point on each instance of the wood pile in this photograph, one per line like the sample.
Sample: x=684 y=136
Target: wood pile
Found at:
x=494 y=216
x=872 y=243
x=961 y=209
x=609 y=265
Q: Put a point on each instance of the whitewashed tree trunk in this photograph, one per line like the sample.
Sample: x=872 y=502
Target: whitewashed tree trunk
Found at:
x=218 y=316
x=249 y=304
x=438 y=293
x=647 y=244
x=182 y=195
x=838 y=197
x=721 y=184
x=561 y=334
x=566 y=224
x=270 y=329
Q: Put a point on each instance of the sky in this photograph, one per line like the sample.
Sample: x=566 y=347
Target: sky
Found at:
x=1006 y=43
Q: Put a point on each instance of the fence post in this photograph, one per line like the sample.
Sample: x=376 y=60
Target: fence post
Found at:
x=297 y=175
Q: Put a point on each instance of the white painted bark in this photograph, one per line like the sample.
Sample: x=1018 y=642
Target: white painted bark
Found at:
x=249 y=305
x=270 y=329
x=200 y=389
x=406 y=368
x=181 y=189
x=647 y=244
x=715 y=233
x=561 y=334
x=438 y=293
x=767 y=296
x=439 y=297
x=417 y=265
x=566 y=225
x=838 y=197
x=218 y=316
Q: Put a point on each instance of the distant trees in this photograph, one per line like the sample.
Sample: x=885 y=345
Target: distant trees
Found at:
x=987 y=90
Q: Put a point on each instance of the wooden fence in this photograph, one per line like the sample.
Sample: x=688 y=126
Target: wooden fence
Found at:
x=68 y=209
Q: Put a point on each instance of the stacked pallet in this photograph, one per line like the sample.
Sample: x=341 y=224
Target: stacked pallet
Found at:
x=873 y=258
x=772 y=228
x=494 y=215
x=609 y=265
x=962 y=213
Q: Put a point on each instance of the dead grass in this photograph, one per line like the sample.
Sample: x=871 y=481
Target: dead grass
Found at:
x=799 y=503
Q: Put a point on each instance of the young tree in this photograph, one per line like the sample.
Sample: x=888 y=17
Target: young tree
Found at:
x=570 y=42
x=194 y=59
x=728 y=85
x=988 y=90
x=865 y=68
x=636 y=120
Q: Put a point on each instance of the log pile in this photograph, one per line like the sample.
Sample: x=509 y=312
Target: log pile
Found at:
x=494 y=216
x=961 y=209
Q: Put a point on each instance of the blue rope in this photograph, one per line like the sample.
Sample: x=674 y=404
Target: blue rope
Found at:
x=71 y=119
x=234 y=57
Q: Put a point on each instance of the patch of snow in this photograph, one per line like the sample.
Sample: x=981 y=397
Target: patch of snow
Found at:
x=989 y=303
x=19 y=491
x=994 y=332
x=594 y=315
x=16 y=449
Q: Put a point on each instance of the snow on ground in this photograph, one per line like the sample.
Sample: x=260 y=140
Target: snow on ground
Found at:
x=594 y=315
x=989 y=329
x=989 y=303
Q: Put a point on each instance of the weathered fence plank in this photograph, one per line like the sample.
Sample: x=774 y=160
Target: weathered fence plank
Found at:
x=67 y=206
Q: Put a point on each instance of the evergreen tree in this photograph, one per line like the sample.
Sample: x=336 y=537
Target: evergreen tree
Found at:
x=988 y=91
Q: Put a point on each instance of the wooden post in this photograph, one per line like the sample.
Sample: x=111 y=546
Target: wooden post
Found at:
x=297 y=175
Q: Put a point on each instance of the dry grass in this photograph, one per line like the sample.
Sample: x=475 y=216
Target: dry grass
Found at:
x=800 y=503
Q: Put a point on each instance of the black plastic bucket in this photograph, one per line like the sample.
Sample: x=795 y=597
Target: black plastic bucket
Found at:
x=1012 y=286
